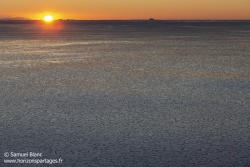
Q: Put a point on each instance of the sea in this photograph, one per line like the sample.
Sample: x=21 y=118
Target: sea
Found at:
x=124 y=93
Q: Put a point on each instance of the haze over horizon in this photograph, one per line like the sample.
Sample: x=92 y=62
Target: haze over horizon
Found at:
x=128 y=10
x=72 y=19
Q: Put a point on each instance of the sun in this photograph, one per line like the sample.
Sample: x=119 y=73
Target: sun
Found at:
x=48 y=18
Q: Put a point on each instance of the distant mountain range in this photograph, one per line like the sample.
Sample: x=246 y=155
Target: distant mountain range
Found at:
x=15 y=18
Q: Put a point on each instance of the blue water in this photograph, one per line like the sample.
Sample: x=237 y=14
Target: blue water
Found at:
x=126 y=93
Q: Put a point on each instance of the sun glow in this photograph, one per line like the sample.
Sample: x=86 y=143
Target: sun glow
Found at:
x=48 y=18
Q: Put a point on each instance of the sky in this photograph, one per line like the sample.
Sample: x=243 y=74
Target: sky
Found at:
x=127 y=9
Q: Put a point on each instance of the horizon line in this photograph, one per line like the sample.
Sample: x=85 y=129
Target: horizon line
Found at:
x=10 y=19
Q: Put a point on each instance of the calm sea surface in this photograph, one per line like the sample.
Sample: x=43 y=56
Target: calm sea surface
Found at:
x=126 y=93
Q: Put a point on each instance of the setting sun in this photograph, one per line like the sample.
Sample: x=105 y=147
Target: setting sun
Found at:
x=48 y=18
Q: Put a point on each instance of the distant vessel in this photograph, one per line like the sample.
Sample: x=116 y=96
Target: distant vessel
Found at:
x=151 y=19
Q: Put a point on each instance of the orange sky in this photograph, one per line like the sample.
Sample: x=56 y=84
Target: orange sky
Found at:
x=127 y=9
